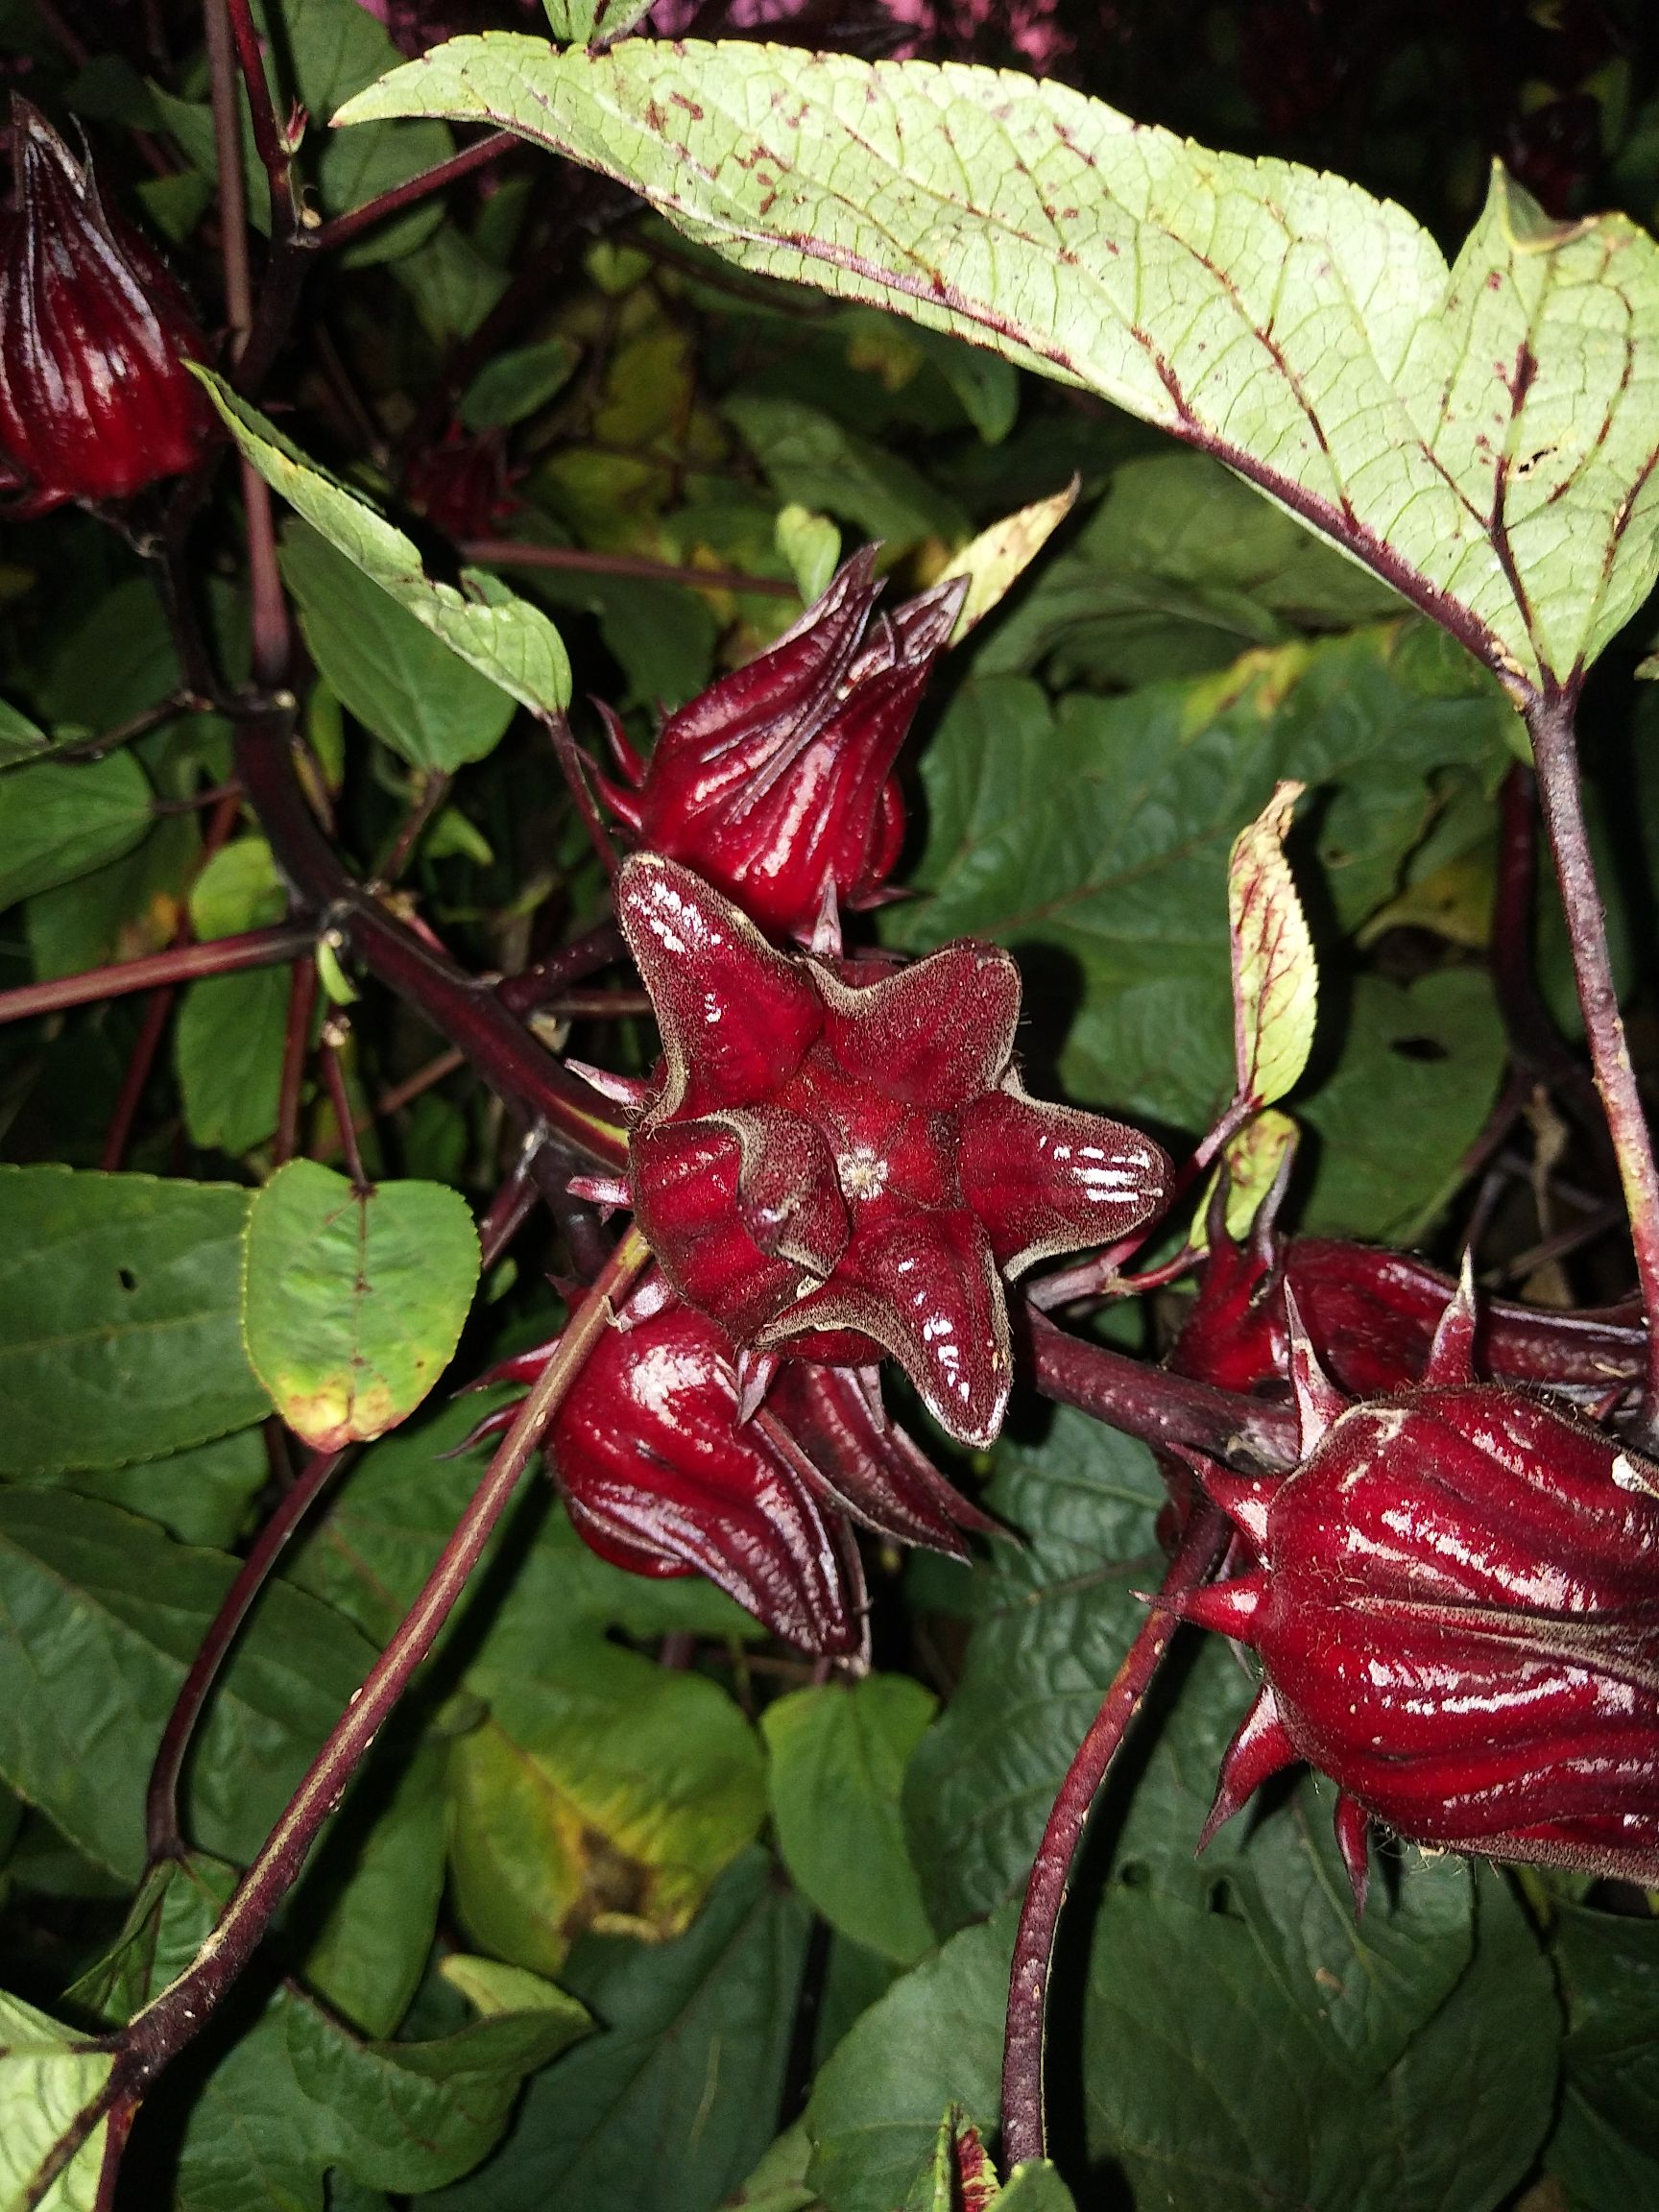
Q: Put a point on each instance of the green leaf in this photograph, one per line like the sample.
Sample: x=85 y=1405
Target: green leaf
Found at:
x=401 y=681
x=109 y=1612
x=368 y=1949
x=1179 y=571
x=61 y=819
x=812 y=544
x=1605 y=2147
x=1100 y=829
x=670 y=2106
x=518 y=383
x=290 y=2095
x=354 y=1300
x=935 y=2039
x=239 y=888
x=48 y=2077
x=811 y=461
x=19 y=738
x=1275 y=978
x=201 y=1495
x=1253 y=2099
x=495 y=631
x=837 y=1767
x=227 y=1050
x=598 y=1790
x=119 y=1302
x=1480 y=434
x=1419 y=1071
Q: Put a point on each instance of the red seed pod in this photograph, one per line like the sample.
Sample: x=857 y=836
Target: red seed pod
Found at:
x=835 y=1162
x=95 y=401
x=776 y=784
x=1455 y=1605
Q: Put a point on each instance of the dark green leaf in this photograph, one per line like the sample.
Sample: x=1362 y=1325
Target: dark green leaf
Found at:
x=119 y=1298
x=518 y=383
x=109 y=1612
x=1605 y=2149
x=836 y=1767
x=353 y=1301
x=935 y=2039
x=1099 y=832
x=201 y=1495
x=670 y=2106
x=61 y=819
x=19 y=738
x=400 y=681
x=810 y=458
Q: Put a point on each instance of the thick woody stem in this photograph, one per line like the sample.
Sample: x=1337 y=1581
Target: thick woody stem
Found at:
x=158 y=2034
x=1166 y=1410
x=1549 y=723
x=164 y=1834
x=1023 y=2134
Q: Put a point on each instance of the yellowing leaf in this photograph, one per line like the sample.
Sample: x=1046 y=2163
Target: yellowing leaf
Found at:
x=995 y=561
x=352 y=1301
x=1252 y=1162
x=1275 y=980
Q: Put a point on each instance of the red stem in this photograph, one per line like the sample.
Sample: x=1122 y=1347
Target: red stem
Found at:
x=522 y=994
x=174 y=2019
x=179 y=963
x=164 y=1834
x=345 y=1122
x=295 y=1050
x=268 y=142
x=136 y=1081
x=1023 y=2134
x=339 y=229
x=1162 y=1409
x=574 y=770
x=1549 y=723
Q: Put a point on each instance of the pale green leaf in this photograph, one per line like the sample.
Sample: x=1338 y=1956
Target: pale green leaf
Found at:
x=48 y=2076
x=239 y=888
x=228 y=1049
x=812 y=544
x=354 y=1300
x=580 y=20
x=1275 y=978
x=1481 y=435
x=1253 y=1162
x=489 y=626
x=812 y=461
x=19 y=738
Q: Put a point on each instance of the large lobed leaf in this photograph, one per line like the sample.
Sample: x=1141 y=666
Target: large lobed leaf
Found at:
x=1482 y=436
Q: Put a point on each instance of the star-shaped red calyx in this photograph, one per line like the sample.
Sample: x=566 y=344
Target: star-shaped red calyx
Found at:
x=837 y=1161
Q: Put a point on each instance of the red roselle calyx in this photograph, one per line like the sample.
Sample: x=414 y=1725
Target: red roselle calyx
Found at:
x=1372 y=1315
x=662 y=1474
x=1455 y=1605
x=95 y=400
x=835 y=1162
x=776 y=784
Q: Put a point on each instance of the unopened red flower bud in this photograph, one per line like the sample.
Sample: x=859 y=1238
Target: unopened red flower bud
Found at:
x=776 y=784
x=95 y=400
x=1456 y=1607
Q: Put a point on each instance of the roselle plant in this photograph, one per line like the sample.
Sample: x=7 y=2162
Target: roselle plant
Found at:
x=779 y=1107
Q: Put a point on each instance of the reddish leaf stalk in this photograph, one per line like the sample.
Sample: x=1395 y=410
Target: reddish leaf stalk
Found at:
x=1549 y=723
x=1162 y=1409
x=173 y=2019
x=601 y=946
x=268 y=141
x=135 y=1080
x=231 y=184
x=341 y=230
x=467 y=1012
x=1023 y=2132
x=296 y=1052
x=574 y=770
x=334 y=1036
x=179 y=963
x=164 y=1835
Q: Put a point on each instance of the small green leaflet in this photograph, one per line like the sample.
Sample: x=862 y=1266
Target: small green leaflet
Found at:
x=352 y=1301
x=500 y=634
x=1482 y=436
x=1275 y=980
